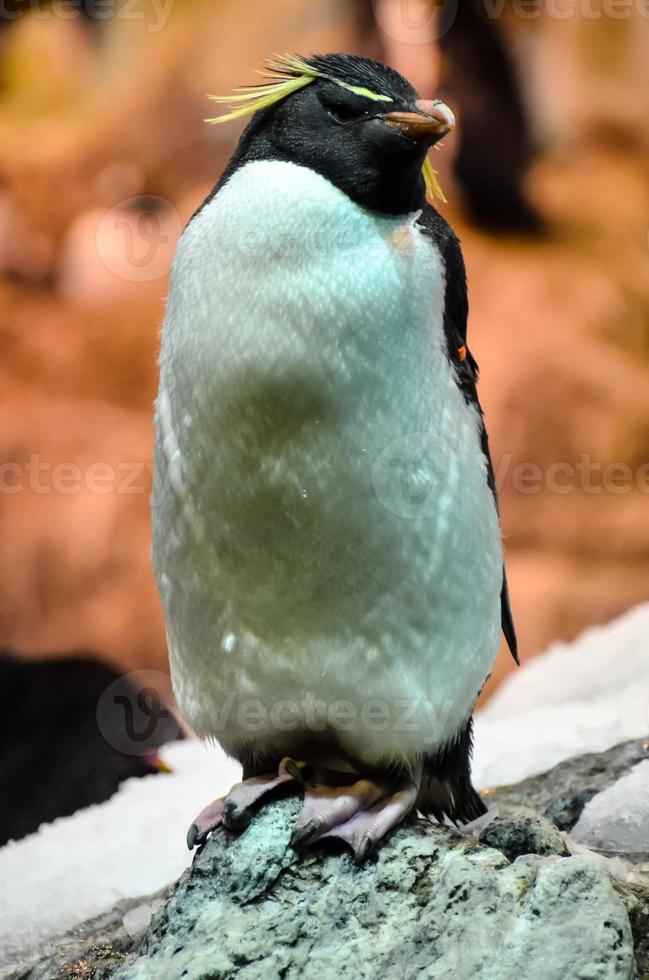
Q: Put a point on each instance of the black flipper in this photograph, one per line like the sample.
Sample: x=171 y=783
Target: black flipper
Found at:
x=456 y=315
x=446 y=789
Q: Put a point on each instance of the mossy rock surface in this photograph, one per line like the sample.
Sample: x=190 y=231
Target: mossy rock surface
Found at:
x=432 y=903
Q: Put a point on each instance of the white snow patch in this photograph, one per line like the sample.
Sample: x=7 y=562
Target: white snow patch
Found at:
x=511 y=748
x=604 y=663
x=132 y=845
x=585 y=696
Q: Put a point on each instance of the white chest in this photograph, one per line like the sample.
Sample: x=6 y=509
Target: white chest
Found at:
x=321 y=516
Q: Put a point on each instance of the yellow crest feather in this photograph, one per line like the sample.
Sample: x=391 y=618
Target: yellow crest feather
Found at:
x=288 y=73
x=257 y=97
x=433 y=186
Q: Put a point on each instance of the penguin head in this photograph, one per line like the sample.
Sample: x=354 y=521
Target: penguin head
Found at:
x=355 y=121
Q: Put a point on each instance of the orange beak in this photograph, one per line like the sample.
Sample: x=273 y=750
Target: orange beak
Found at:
x=430 y=123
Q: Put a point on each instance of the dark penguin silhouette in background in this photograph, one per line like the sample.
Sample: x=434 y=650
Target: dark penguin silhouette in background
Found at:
x=480 y=79
x=56 y=755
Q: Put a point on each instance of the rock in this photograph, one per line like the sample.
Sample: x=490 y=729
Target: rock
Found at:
x=636 y=900
x=565 y=792
x=562 y=793
x=95 y=949
x=521 y=835
x=433 y=903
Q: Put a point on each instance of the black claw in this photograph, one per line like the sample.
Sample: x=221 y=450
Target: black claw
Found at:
x=302 y=835
x=294 y=770
x=364 y=849
x=194 y=837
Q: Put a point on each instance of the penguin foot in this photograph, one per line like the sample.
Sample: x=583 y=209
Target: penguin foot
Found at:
x=207 y=820
x=235 y=810
x=359 y=813
x=337 y=804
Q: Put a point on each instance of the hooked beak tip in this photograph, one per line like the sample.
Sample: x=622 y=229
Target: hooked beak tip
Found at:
x=438 y=110
x=430 y=123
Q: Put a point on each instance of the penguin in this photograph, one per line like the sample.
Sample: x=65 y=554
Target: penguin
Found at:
x=55 y=759
x=326 y=536
x=479 y=71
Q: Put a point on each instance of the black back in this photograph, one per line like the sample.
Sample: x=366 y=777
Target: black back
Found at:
x=456 y=312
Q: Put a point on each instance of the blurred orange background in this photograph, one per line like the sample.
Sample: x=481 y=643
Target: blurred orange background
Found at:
x=103 y=157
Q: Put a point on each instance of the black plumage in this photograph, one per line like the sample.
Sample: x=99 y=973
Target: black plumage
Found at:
x=456 y=315
x=55 y=758
x=292 y=130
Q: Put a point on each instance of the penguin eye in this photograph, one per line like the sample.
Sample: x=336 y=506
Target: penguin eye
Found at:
x=342 y=115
